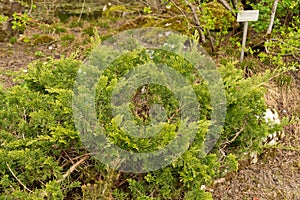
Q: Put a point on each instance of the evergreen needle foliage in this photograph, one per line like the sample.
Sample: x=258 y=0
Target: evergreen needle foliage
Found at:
x=37 y=133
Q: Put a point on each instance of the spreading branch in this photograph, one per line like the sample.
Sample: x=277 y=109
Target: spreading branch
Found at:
x=11 y=171
x=227 y=6
x=72 y=168
x=235 y=136
x=211 y=43
x=235 y=4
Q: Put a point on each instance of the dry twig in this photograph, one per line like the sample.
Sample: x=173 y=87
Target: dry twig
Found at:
x=196 y=21
x=235 y=136
x=227 y=6
x=17 y=178
x=72 y=168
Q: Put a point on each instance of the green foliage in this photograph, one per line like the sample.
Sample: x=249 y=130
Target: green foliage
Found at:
x=114 y=10
x=197 y=194
x=39 y=54
x=284 y=49
x=26 y=4
x=284 y=54
x=3 y=18
x=42 y=39
x=245 y=102
x=20 y=21
x=26 y=40
x=59 y=29
x=13 y=40
x=215 y=17
x=287 y=11
x=232 y=162
x=75 y=23
x=67 y=39
x=37 y=128
x=147 y=10
x=95 y=39
x=103 y=23
x=245 y=109
x=89 y=30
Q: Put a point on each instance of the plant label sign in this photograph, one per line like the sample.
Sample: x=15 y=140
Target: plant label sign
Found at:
x=247 y=15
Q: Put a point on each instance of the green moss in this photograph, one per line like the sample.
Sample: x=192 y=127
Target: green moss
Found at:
x=215 y=17
x=89 y=30
x=115 y=10
x=177 y=23
x=68 y=37
x=103 y=23
x=75 y=24
x=42 y=39
x=13 y=40
x=60 y=30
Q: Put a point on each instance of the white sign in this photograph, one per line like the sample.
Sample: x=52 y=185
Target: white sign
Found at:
x=247 y=15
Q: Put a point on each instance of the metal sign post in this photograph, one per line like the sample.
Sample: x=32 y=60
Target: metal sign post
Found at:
x=246 y=16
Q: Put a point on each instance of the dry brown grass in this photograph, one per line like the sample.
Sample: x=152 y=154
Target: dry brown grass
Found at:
x=276 y=175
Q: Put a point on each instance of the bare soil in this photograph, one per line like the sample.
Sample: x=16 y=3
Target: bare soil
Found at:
x=276 y=175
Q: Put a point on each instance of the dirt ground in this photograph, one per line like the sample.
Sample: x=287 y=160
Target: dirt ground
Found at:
x=276 y=175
